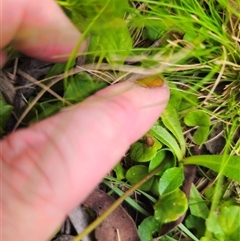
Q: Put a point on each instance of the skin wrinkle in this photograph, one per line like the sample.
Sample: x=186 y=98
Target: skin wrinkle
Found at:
x=28 y=185
x=30 y=156
x=16 y=147
x=56 y=137
x=52 y=147
x=69 y=142
x=43 y=203
x=49 y=212
x=9 y=183
x=7 y=144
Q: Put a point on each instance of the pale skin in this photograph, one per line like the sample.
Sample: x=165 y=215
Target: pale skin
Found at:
x=51 y=167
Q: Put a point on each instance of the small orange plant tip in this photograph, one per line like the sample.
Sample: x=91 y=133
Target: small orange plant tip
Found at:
x=152 y=81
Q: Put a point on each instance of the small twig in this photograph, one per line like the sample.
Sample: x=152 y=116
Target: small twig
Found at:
x=41 y=93
x=15 y=67
x=36 y=82
x=218 y=78
x=7 y=88
x=118 y=235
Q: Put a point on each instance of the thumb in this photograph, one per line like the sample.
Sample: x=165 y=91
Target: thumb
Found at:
x=50 y=168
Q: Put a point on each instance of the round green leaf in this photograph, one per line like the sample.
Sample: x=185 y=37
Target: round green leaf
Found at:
x=137 y=173
x=229 y=218
x=81 y=86
x=141 y=151
x=201 y=134
x=170 y=206
x=197 y=118
x=147 y=227
x=200 y=119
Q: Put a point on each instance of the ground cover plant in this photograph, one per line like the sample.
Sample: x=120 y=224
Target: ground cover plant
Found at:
x=185 y=172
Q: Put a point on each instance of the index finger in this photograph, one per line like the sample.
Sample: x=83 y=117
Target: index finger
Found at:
x=39 y=29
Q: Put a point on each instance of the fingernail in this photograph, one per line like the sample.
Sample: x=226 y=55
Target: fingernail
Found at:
x=152 y=81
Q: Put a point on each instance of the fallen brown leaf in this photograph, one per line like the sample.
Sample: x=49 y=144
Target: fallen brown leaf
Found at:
x=118 y=226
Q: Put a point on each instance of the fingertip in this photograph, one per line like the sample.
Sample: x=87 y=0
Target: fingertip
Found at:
x=41 y=30
x=52 y=49
x=134 y=106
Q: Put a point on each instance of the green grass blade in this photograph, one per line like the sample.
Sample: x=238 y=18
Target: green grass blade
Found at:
x=186 y=231
x=228 y=166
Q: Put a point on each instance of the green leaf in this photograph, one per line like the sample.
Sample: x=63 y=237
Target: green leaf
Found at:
x=145 y=150
x=154 y=188
x=170 y=206
x=171 y=120
x=158 y=159
x=58 y=68
x=171 y=180
x=226 y=165
x=201 y=134
x=119 y=171
x=197 y=205
x=152 y=33
x=137 y=173
x=111 y=40
x=202 y=120
x=5 y=113
x=189 y=100
x=213 y=225
x=43 y=110
x=147 y=228
x=224 y=222
x=175 y=97
x=81 y=86
x=167 y=139
x=96 y=13
x=197 y=224
x=197 y=118
x=208 y=239
x=229 y=218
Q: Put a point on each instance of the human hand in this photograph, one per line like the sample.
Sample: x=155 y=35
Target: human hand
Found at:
x=49 y=168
